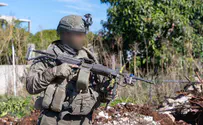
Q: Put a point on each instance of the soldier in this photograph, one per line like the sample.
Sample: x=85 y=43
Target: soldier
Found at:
x=69 y=94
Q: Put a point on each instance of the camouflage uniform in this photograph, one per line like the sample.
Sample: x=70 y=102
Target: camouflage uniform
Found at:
x=62 y=103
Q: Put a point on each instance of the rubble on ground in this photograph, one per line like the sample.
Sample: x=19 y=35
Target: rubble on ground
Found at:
x=27 y=120
x=120 y=114
x=187 y=106
x=185 y=109
x=130 y=114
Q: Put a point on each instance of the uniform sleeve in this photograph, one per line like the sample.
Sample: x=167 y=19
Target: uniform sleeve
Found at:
x=39 y=77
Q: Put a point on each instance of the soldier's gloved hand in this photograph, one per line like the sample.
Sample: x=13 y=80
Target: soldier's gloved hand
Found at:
x=63 y=71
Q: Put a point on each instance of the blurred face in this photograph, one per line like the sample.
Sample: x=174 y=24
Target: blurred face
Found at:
x=73 y=39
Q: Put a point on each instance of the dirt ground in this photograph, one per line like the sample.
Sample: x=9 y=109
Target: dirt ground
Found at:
x=119 y=114
x=28 y=120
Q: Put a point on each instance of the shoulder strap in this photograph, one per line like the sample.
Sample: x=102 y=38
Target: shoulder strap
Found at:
x=54 y=48
x=91 y=55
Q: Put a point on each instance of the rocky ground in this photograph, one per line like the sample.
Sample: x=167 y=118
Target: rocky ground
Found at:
x=128 y=114
x=187 y=105
x=184 y=109
x=28 y=120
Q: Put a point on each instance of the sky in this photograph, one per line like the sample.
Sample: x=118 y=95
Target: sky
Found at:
x=45 y=14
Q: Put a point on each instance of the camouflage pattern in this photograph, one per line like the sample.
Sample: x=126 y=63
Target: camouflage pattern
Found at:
x=68 y=95
x=71 y=23
x=50 y=118
x=44 y=76
x=43 y=73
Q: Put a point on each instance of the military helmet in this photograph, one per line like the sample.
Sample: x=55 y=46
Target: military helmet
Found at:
x=71 y=23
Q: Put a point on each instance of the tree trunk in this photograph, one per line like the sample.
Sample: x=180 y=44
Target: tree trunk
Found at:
x=120 y=56
x=113 y=60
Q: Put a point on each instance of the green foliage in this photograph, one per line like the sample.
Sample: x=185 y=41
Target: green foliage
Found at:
x=90 y=36
x=120 y=100
x=43 y=38
x=15 y=106
x=19 y=37
x=160 y=28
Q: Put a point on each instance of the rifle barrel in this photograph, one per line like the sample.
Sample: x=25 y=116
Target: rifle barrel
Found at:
x=179 y=81
x=141 y=79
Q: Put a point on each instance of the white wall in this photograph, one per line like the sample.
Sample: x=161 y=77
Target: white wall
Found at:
x=6 y=77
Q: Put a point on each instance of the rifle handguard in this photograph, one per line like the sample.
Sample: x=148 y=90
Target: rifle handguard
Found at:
x=103 y=70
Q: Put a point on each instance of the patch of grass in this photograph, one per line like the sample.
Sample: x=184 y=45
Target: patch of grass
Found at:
x=120 y=100
x=15 y=106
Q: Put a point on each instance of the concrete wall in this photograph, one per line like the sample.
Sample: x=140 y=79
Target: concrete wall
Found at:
x=6 y=78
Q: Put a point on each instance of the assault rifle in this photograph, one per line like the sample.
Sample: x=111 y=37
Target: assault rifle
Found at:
x=98 y=69
x=85 y=63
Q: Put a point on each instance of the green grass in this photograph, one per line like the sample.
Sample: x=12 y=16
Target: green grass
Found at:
x=120 y=100
x=15 y=106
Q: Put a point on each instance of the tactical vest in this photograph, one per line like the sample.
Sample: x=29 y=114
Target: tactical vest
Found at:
x=73 y=95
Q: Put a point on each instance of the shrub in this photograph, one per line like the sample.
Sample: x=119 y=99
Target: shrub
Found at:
x=15 y=106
